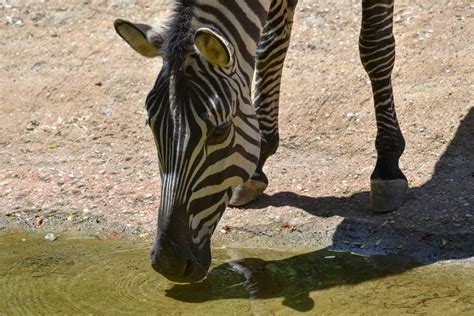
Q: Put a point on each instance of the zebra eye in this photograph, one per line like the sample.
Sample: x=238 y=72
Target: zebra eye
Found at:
x=218 y=134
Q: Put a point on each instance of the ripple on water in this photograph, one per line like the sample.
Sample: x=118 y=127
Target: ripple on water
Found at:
x=83 y=276
x=71 y=276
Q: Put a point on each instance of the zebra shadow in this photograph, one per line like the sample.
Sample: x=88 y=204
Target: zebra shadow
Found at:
x=436 y=223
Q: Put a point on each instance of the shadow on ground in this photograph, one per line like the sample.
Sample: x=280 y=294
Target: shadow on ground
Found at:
x=434 y=224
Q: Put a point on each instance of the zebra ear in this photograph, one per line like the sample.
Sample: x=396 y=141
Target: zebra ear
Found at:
x=143 y=38
x=213 y=47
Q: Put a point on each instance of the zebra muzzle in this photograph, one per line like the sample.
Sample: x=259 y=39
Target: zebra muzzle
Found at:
x=178 y=263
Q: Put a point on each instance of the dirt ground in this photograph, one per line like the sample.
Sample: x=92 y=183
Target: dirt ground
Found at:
x=75 y=153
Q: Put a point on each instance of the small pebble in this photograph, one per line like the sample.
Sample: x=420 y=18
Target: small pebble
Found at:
x=107 y=111
x=50 y=237
x=32 y=125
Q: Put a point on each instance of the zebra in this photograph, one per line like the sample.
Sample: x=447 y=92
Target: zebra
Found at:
x=213 y=138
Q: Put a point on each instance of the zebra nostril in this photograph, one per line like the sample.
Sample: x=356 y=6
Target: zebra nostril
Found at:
x=152 y=253
x=189 y=268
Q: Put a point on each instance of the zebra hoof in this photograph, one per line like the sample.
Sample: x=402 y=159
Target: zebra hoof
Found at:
x=387 y=195
x=247 y=192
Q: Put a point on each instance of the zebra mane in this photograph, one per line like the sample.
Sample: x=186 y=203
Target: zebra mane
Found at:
x=179 y=35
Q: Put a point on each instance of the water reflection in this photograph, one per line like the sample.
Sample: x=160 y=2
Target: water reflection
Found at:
x=292 y=279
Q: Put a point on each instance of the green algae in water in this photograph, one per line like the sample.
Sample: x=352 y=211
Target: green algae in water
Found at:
x=86 y=276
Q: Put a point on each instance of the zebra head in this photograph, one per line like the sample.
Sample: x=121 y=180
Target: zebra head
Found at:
x=205 y=129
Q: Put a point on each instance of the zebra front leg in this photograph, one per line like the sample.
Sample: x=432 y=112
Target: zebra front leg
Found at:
x=271 y=53
x=377 y=52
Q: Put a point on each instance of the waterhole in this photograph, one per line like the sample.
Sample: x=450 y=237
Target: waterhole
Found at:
x=76 y=275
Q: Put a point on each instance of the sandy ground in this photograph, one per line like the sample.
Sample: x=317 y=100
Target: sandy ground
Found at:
x=75 y=153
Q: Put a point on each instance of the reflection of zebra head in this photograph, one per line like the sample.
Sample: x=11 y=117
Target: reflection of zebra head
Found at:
x=204 y=124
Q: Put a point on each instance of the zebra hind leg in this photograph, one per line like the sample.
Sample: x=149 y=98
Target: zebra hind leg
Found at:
x=271 y=53
x=377 y=52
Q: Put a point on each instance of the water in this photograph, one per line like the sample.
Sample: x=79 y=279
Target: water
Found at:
x=73 y=275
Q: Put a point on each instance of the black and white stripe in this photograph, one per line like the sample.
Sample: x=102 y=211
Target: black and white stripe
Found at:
x=205 y=126
x=377 y=53
x=211 y=136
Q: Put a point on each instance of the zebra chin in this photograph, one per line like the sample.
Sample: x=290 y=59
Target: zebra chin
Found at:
x=177 y=262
